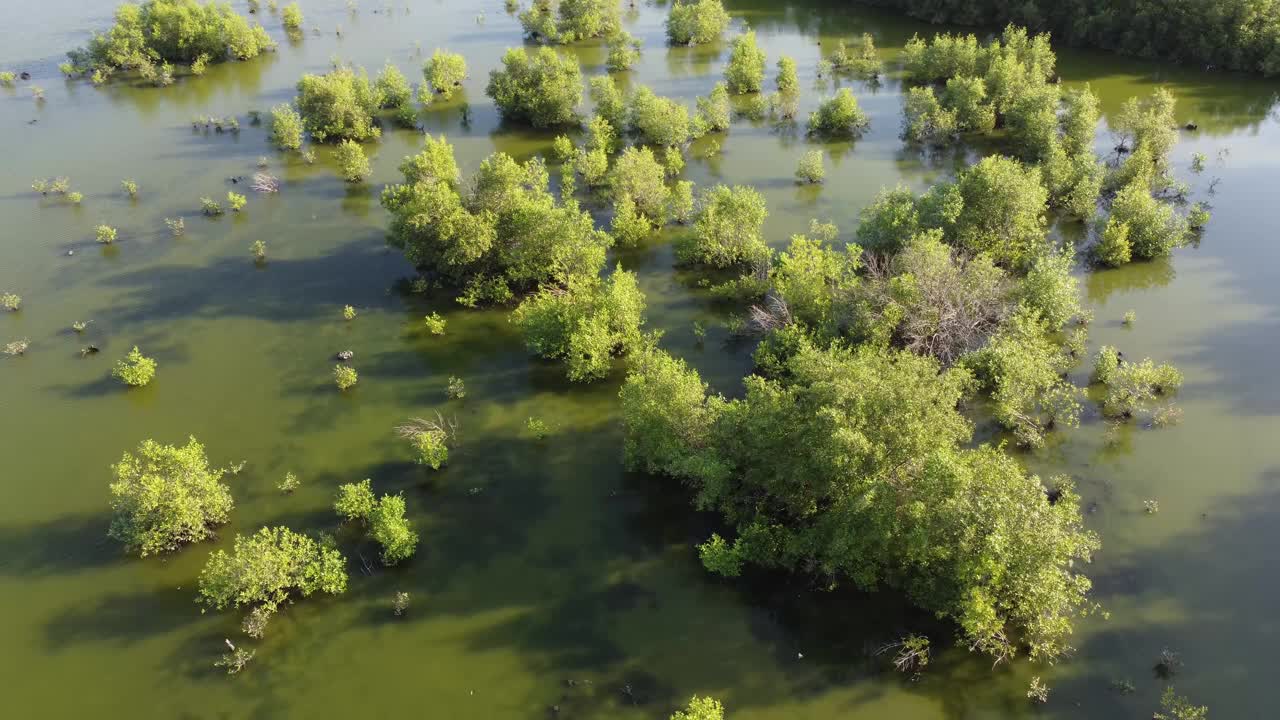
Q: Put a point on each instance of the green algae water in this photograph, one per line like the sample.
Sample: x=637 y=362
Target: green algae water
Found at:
x=549 y=581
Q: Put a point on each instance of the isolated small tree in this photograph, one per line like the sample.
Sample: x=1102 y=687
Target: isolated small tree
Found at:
x=728 y=228
x=291 y=17
x=352 y=162
x=788 y=80
x=696 y=23
x=339 y=105
x=700 y=708
x=345 y=376
x=286 y=127
x=541 y=88
x=105 y=234
x=714 y=110
x=745 y=71
x=355 y=500
x=165 y=497
x=445 y=72
x=838 y=116
x=811 y=169
x=383 y=517
x=268 y=568
x=135 y=369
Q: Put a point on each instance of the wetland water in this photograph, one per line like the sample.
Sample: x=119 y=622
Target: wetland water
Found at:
x=546 y=574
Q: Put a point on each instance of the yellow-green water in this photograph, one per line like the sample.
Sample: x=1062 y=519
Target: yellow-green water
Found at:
x=547 y=575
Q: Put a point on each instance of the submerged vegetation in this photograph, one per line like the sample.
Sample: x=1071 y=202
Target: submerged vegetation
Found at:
x=165 y=497
x=149 y=38
x=894 y=378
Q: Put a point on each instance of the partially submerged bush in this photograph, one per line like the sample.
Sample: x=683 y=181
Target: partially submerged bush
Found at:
x=170 y=31
x=700 y=708
x=566 y=21
x=638 y=174
x=696 y=23
x=430 y=439
x=236 y=201
x=394 y=91
x=838 y=116
x=105 y=234
x=658 y=120
x=267 y=569
x=541 y=88
x=500 y=233
x=727 y=228
x=585 y=323
x=135 y=369
x=338 y=105
x=384 y=517
x=165 y=497
x=811 y=168
x=624 y=50
x=345 y=377
x=11 y=302
x=291 y=17
x=444 y=72
x=353 y=165
x=745 y=71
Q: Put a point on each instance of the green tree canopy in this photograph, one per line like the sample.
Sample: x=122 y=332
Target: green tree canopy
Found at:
x=853 y=468
x=501 y=233
x=541 y=88
x=267 y=568
x=165 y=497
x=696 y=23
x=339 y=105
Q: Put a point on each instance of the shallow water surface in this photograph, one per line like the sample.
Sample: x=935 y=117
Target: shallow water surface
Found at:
x=547 y=576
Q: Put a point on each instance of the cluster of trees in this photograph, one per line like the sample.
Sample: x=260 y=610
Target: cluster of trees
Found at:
x=504 y=234
x=566 y=21
x=1229 y=34
x=853 y=464
x=150 y=38
x=965 y=87
x=382 y=517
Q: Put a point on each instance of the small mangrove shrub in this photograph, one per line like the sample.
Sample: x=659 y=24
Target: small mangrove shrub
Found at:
x=444 y=72
x=811 y=168
x=236 y=201
x=430 y=439
x=135 y=369
x=210 y=207
x=696 y=23
x=339 y=105
x=291 y=17
x=434 y=323
x=17 y=347
x=348 y=313
x=11 y=302
x=838 y=116
x=177 y=226
x=352 y=162
x=456 y=389
x=286 y=127
x=289 y=484
x=344 y=376
x=259 y=251
x=105 y=234
x=130 y=187
x=384 y=517
x=164 y=497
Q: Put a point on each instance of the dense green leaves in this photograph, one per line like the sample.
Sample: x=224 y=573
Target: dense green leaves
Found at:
x=696 y=23
x=502 y=233
x=658 y=120
x=383 y=517
x=585 y=323
x=727 y=228
x=339 y=105
x=838 y=116
x=541 y=88
x=444 y=72
x=1230 y=34
x=701 y=708
x=265 y=569
x=170 y=31
x=286 y=127
x=852 y=468
x=165 y=496
x=745 y=71
x=566 y=21
x=1003 y=211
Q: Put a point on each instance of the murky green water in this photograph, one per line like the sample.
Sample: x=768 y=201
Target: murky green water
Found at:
x=547 y=575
